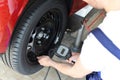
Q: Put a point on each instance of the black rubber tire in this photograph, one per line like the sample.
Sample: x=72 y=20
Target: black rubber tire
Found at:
x=15 y=54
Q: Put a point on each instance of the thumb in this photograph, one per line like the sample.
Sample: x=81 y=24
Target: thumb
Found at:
x=39 y=57
x=71 y=58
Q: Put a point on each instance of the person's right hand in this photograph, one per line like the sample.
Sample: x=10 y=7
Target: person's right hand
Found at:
x=74 y=57
x=45 y=61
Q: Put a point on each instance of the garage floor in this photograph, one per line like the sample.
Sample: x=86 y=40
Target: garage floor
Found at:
x=8 y=74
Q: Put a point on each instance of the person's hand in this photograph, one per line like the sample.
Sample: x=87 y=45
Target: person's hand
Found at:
x=73 y=58
x=44 y=61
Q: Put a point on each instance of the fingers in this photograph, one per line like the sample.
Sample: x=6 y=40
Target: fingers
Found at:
x=71 y=61
x=44 y=60
x=39 y=57
x=73 y=58
x=75 y=53
x=68 y=61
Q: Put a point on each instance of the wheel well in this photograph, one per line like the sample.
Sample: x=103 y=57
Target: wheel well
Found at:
x=69 y=4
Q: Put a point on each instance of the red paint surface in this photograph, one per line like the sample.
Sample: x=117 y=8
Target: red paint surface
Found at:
x=10 y=11
x=77 y=5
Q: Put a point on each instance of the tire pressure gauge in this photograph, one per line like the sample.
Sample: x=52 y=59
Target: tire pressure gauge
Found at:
x=63 y=52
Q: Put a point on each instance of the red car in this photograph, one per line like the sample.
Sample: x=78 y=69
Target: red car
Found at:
x=30 y=28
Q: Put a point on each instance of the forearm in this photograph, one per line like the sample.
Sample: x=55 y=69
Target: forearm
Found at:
x=64 y=68
x=76 y=70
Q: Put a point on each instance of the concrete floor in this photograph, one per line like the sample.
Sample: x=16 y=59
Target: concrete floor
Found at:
x=8 y=74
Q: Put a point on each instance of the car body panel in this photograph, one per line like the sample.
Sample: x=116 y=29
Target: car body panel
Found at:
x=77 y=5
x=10 y=11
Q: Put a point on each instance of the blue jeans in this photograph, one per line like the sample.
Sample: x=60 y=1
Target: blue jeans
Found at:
x=93 y=76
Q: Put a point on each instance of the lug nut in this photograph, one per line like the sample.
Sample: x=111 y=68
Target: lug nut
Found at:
x=40 y=35
x=39 y=42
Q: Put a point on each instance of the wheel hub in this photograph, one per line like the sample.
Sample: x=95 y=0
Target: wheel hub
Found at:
x=44 y=34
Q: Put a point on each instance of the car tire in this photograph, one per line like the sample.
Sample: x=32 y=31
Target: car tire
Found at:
x=43 y=17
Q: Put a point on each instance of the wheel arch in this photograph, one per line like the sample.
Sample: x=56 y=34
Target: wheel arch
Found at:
x=69 y=4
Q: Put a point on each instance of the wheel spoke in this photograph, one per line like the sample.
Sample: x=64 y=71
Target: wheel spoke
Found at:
x=31 y=41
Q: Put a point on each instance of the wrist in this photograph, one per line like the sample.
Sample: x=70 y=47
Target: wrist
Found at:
x=51 y=63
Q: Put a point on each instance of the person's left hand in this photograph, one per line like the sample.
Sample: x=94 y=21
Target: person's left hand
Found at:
x=44 y=61
x=73 y=58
